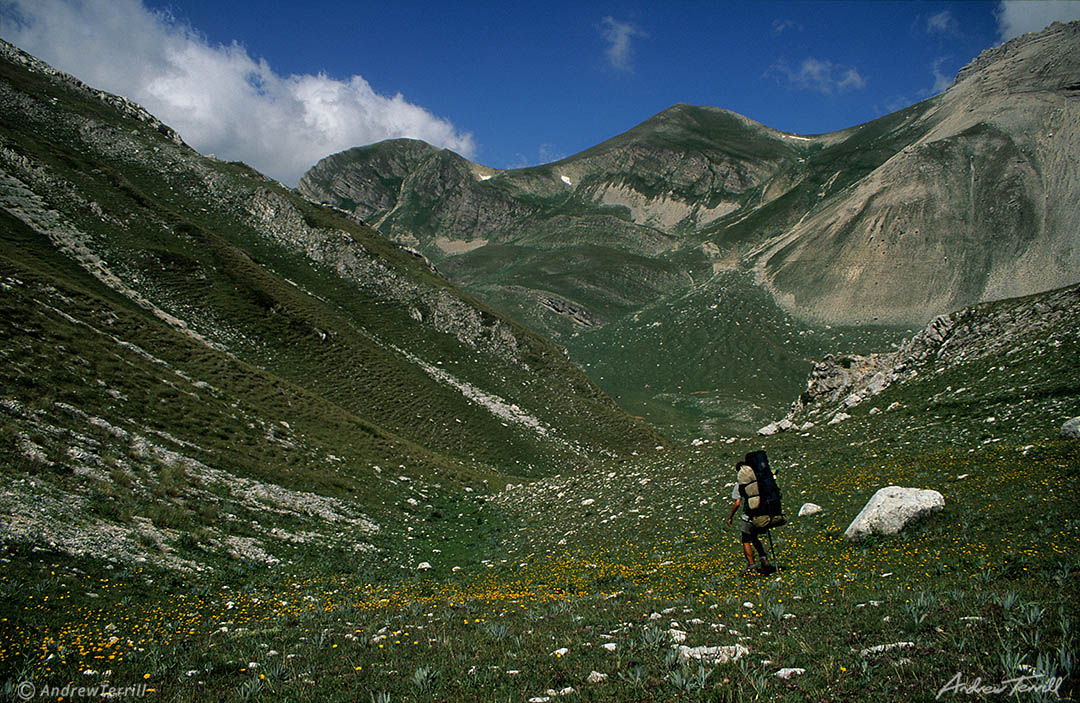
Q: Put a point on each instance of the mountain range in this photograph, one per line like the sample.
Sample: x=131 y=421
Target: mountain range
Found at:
x=856 y=236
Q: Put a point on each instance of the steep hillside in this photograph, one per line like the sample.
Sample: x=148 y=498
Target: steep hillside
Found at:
x=972 y=199
x=187 y=343
x=963 y=198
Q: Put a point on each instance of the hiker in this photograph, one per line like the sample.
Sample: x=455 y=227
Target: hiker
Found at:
x=749 y=532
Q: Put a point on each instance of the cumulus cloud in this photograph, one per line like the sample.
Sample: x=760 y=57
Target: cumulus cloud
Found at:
x=219 y=98
x=819 y=76
x=1016 y=17
x=619 y=36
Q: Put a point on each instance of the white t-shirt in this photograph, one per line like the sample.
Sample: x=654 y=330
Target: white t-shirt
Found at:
x=735 y=496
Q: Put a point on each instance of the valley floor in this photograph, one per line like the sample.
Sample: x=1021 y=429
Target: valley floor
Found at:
x=616 y=582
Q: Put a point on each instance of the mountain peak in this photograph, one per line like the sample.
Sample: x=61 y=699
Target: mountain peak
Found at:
x=1047 y=60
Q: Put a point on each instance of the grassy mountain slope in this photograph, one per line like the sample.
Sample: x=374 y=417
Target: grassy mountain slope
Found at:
x=188 y=344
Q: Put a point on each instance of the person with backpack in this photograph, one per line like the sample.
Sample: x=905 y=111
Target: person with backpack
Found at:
x=749 y=533
x=756 y=490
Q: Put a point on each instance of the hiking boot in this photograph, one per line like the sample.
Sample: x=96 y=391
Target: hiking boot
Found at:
x=765 y=568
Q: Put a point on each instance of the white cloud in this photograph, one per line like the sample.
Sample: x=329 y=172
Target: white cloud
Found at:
x=1017 y=17
x=820 y=76
x=781 y=26
x=941 y=81
x=941 y=23
x=219 y=98
x=618 y=35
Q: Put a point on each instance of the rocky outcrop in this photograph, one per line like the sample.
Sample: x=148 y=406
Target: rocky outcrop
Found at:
x=845 y=379
x=843 y=382
x=891 y=509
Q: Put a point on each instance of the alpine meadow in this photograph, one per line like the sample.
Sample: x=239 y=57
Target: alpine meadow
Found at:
x=425 y=430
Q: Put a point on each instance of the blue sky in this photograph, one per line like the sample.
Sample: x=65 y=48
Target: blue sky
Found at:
x=280 y=85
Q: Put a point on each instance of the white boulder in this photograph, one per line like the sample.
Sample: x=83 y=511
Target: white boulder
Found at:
x=769 y=429
x=891 y=509
x=809 y=509
x=788 y=672
x=1071 y=429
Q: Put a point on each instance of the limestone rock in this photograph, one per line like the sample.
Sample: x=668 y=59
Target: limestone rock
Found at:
x=1071 y=429
x=839 y=417
x=809 y=509
x=891 y=509
x=712 y=655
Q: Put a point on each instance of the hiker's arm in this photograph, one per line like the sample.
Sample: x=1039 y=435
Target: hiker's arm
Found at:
x=734 y=508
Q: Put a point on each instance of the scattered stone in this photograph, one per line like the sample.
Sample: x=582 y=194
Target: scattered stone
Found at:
x=423 y=566
x=769 y=430
x=595 y=677
x=891 y=509
x=886 y=648
x=809 y=509
x=561 y=652
x=839 y=417
x=712 y=655
x=788 y=672
x=1071 y=429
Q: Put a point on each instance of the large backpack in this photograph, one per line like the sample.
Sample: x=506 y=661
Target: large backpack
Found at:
x=760 y=494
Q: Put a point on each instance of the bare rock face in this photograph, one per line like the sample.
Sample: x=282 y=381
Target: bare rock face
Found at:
x=893 y=508
x=1071 y=429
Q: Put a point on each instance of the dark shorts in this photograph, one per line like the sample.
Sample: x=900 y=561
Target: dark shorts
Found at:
x=749 y=532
